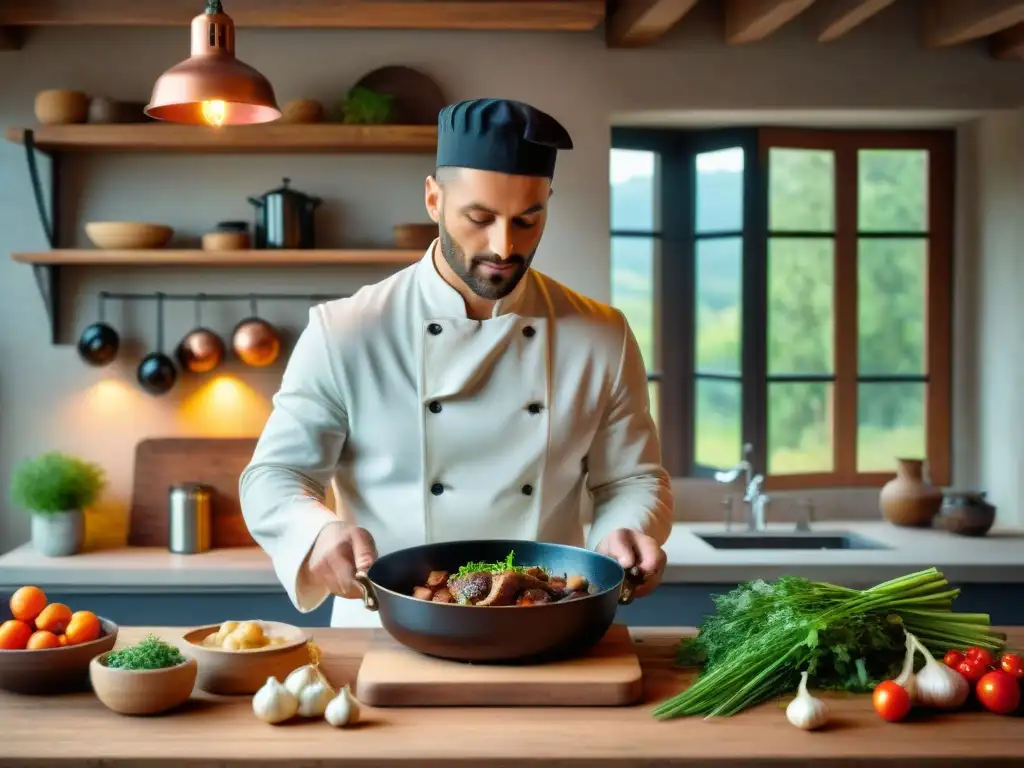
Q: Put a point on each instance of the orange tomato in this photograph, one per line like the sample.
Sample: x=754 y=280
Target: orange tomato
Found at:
x=42 y=639
x=14 y=635
x=84 y=627
x=54 y=618
x=27 y=603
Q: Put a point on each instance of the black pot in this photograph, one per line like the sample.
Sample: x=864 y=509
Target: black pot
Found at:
x=524 y=634
x=285 y=218
x=98 y=344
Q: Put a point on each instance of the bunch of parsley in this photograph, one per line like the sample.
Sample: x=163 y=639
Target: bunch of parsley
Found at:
x=764 y=634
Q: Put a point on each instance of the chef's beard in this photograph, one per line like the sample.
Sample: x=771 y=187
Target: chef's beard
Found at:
x=490 y=287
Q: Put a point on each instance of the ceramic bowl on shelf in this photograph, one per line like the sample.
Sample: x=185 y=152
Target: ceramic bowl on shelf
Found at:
x=236 y=671
x=127 y=235
x=44 y=671
x=142 y=691
x=61 y=107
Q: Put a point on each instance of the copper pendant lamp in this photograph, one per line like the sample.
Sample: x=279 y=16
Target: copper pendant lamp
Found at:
x=212 y=87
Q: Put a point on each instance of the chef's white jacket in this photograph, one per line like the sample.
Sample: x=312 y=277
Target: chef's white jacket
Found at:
x=432 y=426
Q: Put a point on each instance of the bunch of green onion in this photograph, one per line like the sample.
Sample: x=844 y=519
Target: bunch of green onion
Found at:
x=763 y=635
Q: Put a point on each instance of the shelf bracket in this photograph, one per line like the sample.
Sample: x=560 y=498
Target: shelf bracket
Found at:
x=47 y=275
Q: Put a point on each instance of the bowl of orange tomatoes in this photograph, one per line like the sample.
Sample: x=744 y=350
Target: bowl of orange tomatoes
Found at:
x=46 y=647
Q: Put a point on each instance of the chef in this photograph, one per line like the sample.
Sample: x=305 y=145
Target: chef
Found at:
x=466 y=396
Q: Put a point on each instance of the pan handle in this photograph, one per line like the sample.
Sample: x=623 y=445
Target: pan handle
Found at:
x=634 y=578
x=369 y=593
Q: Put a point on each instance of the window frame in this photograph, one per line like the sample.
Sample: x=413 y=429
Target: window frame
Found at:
x=676 y=310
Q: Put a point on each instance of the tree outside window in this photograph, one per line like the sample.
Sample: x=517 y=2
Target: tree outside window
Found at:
x=790 y=289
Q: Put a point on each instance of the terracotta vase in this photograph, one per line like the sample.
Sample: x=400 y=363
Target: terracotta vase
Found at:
x=907 y=499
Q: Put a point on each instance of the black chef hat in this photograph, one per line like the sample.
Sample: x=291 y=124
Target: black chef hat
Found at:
x=499 y=135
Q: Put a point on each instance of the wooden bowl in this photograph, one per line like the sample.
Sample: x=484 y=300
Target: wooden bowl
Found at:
x=60 y=107
x=142 y=691
x=237 y=673
x=127 y=235
x=53 y=670
x=414 y=237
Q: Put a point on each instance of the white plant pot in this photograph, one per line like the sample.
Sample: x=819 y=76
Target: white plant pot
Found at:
x=58 y=534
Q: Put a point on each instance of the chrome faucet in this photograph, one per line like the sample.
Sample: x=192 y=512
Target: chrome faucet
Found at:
x=755 y=501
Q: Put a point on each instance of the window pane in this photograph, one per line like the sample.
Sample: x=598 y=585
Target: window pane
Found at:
x=801 y=190
x=891 y=296
x=633 y=178
x=719 y=268
x=800 y=300
x=654 y=394
x=718 y=423
x=633 y=267
x=892 y=190
x=720 y=190
x=890 y=424
x=799 y=427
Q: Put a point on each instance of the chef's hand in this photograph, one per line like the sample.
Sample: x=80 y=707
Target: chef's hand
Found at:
x=339 y=551
x=632 y=548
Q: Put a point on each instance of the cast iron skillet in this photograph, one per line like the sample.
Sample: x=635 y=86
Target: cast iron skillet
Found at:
x=525 y=634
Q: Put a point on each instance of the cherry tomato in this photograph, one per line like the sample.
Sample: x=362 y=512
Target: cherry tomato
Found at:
x=999 y=692
x=1013 y=665
x=891 y=701
x=983 y=656
x=953 y=658
x=971 y=670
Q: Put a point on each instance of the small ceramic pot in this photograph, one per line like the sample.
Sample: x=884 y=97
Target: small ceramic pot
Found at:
x=58 y=534
x=966 y=513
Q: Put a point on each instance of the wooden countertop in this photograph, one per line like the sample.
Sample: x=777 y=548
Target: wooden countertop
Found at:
x=76 y=730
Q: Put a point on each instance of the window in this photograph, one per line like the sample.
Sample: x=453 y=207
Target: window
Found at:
x=791 y=290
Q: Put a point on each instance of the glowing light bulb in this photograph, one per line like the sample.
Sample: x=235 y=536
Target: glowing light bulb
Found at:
x=214 y=112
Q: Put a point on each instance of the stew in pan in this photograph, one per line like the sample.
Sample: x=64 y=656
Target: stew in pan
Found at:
x=501 y=584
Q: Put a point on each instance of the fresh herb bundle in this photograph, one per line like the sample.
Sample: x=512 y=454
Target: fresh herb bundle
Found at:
x=764 y=634
x=151 y=653
x=506 y=565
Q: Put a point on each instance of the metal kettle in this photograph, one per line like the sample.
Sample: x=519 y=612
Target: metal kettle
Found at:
x=285 y=218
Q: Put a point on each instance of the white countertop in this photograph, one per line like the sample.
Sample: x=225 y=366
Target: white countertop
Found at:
x=997 y=557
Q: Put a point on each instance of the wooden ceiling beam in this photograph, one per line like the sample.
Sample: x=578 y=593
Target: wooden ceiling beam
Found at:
x=487 y=15
x=747 y=21
x=952 y=22
x=841 y=16
x=1008 y=45
x=636 y=23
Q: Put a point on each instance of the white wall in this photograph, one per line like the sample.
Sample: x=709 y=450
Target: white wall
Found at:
x=49 y=400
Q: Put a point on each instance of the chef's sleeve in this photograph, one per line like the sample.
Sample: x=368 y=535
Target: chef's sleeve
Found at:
x=283 y=489
x=629 y=486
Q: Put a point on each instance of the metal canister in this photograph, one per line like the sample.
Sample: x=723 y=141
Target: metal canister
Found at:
x=189 y=518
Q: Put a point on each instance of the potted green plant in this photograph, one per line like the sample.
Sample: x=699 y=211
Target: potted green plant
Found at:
x=56 y=489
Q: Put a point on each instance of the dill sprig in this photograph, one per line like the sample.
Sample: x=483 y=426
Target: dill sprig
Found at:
x=508 y=564
x=151 y=653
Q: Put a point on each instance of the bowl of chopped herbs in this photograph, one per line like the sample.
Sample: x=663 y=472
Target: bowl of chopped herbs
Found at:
x=149 y=677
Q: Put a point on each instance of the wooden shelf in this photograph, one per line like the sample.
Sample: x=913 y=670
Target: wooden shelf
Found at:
x=480 y=15
x=197 y=258
x=268 y=138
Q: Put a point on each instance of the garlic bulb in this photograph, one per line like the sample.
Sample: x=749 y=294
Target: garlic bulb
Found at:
x=313 y=699
x=300 y=677
x=939 y=686
x=805 y=711
x=343 y=709
x=273 y=703
x=907 y=678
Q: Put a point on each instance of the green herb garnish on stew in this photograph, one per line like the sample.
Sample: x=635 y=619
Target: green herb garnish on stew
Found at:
x=151 y=653
x=506 y=565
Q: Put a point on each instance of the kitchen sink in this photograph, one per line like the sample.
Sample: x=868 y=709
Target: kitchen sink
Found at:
x=789 y=541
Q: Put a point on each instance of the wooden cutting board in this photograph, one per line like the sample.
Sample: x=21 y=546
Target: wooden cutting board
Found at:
x=392 y=675
x=163 y=462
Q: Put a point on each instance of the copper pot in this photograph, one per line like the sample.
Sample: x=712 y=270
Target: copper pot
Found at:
x=201 y=350
x=255 y=341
